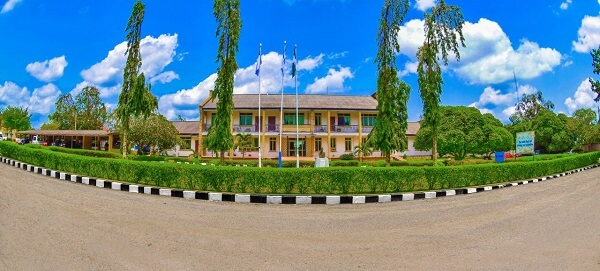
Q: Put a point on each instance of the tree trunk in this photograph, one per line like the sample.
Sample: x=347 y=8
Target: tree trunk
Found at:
x=434 y=149
x=387 y=158
x=124 y=140
x=222 y=156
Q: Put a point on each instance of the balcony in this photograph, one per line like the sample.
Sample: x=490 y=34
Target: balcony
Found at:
x=367 y=129
x=344 y=129
x=320 y=129
x=244 y=129
x=291 y=128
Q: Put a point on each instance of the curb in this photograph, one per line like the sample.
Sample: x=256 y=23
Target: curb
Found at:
x=274 y=199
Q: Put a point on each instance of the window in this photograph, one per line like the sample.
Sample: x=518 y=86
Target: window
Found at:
x=186 y=143
x=272 y=144
x=348 y=144
x=245 y=118
x=332 y=145
x=318 y=144
x=318 y=119
x=345 y=118
x=290 y=119
x=369 y=119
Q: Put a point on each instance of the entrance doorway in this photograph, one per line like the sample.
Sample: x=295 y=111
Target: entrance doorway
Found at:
x=301 y=148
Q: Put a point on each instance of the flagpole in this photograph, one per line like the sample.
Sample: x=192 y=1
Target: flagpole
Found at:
x=280 y=164
x=259 y=117
x=296 y=86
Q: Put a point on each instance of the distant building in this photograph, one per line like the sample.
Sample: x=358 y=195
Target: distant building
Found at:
x=334 y=123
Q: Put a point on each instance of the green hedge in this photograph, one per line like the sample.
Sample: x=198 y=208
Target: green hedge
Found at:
x=91 y=153
x=349 y=180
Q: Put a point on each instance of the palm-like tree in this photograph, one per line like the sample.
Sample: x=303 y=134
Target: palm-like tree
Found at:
x=362 y=150
x=244 y=141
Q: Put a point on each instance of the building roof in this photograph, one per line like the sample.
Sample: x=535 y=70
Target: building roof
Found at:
x=187 y=127
x=413 y=128
x=101 y=133
x=305 y=101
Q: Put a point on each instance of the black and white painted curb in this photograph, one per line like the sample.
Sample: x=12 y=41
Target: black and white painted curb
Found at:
x=273 y=199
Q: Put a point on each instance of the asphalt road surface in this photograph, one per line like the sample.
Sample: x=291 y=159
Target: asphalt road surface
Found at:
x=48 y=224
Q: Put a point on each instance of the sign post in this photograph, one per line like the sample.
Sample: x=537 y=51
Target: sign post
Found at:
x=525 y=143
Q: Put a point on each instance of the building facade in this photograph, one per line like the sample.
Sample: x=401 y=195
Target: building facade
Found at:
x=332 y=123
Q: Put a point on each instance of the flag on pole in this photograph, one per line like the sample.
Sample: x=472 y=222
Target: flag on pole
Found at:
x=283 y=60
x=258 y=63
x=294 y=63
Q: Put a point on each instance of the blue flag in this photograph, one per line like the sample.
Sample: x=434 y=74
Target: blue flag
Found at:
x=258 y=63
x=283 y=60
x=294 y=63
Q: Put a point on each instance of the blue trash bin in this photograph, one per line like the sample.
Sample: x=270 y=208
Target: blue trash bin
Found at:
x=499 y=157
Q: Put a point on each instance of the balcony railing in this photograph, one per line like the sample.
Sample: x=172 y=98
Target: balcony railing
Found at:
x=344 y=128
x=291 y=128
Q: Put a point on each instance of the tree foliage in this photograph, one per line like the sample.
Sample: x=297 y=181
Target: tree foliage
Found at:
x=583 y=126
x=596 y=64
x=244 y=141
x=546 y=125
x=463 y=131
x=85 y=112
x=530 y=106
x=136 y=98
x=229 y=26
x=155 y=131
x=362 y=150
x=443 y=36
x=16 y=118
x=50 y=125
x=389 y=132
x=64 y=112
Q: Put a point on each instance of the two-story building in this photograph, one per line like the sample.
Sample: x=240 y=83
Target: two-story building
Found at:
x=334 y=123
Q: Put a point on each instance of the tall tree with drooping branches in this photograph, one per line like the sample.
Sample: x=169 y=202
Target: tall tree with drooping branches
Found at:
x=596 y=64
x=136 y=98
x=229 y=26
x=389 y=132
x=443 y=36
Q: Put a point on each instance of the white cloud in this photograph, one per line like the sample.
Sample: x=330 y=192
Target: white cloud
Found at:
x=492 y=100
x=164 y=77
x=337 y=55
x=157 y=53
x=488 y=57
x=568 y=63
x=185 y=102
x=332 y=82
x=588 y=34
x=409 y=67
x=583 y=97
x=310 y=63
x=9 y=5
x=423 y=5
x=40 y=101
x=491 y=96
x=48 y=70
x=565 y=5
x=105 y=92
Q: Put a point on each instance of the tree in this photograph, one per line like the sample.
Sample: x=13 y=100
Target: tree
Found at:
x=244 y=141
x=463 y=131
x=50 y=125
x=530 y=106
x=583 y=126
x=389 y=132
x=91 y=111
x=546 y=125
x=65 y=113
x=155 y=131
x=442 y=25
x=229 y=26
x=16 y=118
x=596 y=64
x=362 y=150
x=136 y=98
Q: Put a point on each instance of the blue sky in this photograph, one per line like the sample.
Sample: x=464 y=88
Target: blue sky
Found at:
x=59 y=47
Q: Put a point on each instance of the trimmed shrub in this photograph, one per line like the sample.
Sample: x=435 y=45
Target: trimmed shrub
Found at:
x=91 y=153
x=349 y=180
x=148 y=158
x=347 y=156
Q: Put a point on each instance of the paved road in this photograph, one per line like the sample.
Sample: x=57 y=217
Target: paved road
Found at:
x=48 y=224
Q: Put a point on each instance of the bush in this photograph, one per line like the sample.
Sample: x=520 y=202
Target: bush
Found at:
x=347 y=156
x=333 y=180
x=148 y=158
x=91 y=153
x=343 y=163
